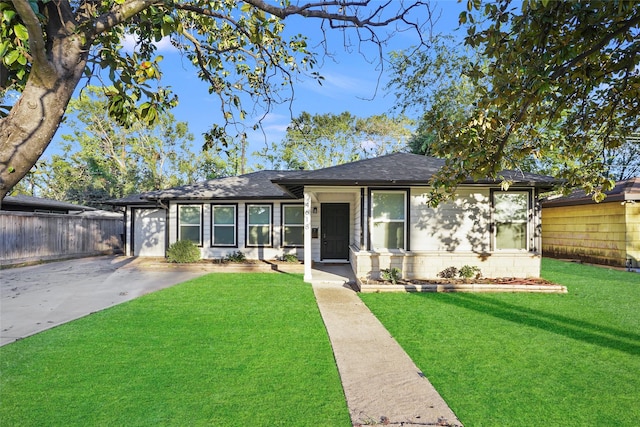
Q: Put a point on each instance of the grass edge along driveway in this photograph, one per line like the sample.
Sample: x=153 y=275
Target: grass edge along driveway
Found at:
x=528 y=359
x=223 y=349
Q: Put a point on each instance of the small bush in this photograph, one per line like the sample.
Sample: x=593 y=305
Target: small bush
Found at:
x=289 y=258
x=448 y=273
x=236 y=256
x=391 y=274
x=183 y=251
x=468 y=271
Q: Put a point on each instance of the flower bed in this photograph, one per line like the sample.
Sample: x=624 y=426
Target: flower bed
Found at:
x=501 y=284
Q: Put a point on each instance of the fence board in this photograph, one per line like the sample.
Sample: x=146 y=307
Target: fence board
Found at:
x=28 y=236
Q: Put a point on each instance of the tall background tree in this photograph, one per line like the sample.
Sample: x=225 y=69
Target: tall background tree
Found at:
x=237 y=47
x=431 y=85
x=322 y=140
x=624 y=162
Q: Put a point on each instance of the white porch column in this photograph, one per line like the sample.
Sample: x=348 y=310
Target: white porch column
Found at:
x=307 y=237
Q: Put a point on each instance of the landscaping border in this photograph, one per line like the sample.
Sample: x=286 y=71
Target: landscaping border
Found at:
x=224 y=267
x=460 y=287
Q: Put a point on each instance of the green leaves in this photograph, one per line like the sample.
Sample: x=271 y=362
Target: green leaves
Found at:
x=21 y=32
x=555 y=93
x=14 y=47
x=239 y=48
x=322 y=140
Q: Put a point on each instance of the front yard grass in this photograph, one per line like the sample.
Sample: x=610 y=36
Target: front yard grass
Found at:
x=528 y=359
x=223 y=350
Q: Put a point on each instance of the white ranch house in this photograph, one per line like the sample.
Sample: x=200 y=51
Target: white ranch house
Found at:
x=372 y=214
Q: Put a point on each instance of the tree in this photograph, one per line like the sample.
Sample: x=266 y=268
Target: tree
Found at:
x=236 y=46
x=102 y=160
x=624 y=162
x=432 y=83
x=556 y=80
x=573 y=66
x=322 y=140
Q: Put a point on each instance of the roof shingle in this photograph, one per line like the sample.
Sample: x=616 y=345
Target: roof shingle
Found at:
x=396 y=169
x=255 y=185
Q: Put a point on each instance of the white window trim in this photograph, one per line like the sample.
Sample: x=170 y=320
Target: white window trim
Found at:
x=285 y=225
x=234 y=226
x=526 y=221
x=374 y=221
x=180 y=225
x=270 y=224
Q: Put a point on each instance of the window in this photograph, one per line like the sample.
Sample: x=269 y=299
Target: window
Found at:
x=190 y=223
x=223 y=225
x=292 y=225
x=259 y=225
x=388 y=212
x=511 y=213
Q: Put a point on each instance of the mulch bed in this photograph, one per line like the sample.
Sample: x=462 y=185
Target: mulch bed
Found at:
x=533 y=281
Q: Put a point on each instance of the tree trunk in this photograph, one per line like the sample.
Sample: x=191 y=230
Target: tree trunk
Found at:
x=32 y=122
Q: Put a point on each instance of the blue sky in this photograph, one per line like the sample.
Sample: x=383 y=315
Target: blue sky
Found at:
x=349 y=83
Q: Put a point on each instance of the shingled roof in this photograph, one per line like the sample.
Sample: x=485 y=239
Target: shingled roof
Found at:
x=627 y=190
x=397 y=169
x=256 y=185
x=20 y=201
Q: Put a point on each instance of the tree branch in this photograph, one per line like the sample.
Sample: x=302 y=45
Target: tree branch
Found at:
x=41 y=65
x=626 y=25
x=310 y=10
x=120 y=13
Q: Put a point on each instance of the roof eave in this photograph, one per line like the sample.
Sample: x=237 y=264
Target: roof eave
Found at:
x=234 y=198
x=285 y=184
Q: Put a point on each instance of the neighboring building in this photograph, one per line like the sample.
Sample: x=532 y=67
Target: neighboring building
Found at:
x=608 y=232
x=371 y=213
x=24 y=203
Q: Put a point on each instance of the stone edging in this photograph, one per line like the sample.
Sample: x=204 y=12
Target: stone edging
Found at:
x=261 y=267
x=462 y=287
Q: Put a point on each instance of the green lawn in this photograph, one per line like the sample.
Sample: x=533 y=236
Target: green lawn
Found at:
x=529 y=359
x=222 y=350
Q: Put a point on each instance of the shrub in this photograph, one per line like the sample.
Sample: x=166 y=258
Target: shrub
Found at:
x=448 y=273
x=290 y=258
x=468 y=271
x=391 y=274
x=236 y=256
x=183 y=251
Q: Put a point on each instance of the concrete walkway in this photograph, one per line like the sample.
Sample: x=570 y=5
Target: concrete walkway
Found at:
x=381 y=383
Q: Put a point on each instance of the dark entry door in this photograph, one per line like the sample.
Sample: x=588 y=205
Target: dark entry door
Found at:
x=334 y=223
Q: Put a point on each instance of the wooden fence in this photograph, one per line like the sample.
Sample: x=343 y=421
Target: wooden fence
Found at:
x=28 y=237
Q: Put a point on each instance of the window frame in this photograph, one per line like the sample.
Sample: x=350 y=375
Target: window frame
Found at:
x=235 y=225
x=247 y=225
x=372 y=220
x=283 y=208
x=527 y=221
x=179 y=225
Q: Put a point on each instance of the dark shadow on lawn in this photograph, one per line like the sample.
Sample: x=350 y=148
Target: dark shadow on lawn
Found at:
x=588 y=332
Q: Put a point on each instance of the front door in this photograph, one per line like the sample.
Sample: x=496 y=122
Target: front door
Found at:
x=334 y=223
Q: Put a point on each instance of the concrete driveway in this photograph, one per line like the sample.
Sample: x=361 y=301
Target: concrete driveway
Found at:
x=36 y=298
